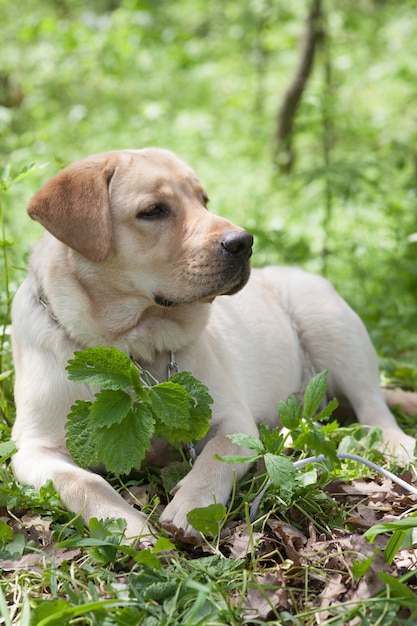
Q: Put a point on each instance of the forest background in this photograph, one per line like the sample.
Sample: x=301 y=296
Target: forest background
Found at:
x=208 y=80
x=302 y=129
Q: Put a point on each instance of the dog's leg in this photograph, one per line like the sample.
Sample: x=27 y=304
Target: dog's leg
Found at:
x=81 y=491
x=406 y=400
x=209 y=480
x=336 y=340
x=44 y=396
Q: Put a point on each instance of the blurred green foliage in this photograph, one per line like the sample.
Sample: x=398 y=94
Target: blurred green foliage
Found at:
x=206 y=79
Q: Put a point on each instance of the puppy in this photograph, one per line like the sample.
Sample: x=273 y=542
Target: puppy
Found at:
x=131 y=258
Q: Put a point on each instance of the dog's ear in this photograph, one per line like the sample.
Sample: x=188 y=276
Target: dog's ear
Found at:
x=75 y=207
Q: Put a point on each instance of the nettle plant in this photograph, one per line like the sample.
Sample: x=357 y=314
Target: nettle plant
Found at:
x=301 y=431
x=130 y=411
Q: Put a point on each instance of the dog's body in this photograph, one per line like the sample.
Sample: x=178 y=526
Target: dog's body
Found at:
x=133 y=260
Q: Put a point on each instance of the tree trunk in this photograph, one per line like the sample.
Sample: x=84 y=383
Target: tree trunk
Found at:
x=283 y=146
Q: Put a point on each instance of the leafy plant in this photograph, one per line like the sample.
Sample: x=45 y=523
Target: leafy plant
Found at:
x=130 y=411
x=207 y=519
x=404 y=532
x=303 y=431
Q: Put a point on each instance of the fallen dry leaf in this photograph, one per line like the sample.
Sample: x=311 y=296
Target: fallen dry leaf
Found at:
x=330 y=595
x=37 y=561
x=268 y=594
x=243 y=540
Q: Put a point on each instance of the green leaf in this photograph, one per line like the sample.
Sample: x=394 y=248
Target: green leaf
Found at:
x=290 y=413
x=50 y=612
x=163 y=544
x=306 y=479
x=104 y=554
x=102 y=367
x=182 y=408
x=110 y=529
x=394 y=544
x=7 y=449
x=247 y=441
x=314 y=440
x=396 y=587
x=79 y=435
x=327 y=411
x=407 y=523
x=197 y=390
x=4 y=610
x=359 y=568
x=123 y=446
x=330 y=427
x=200 y=404
x=314 y=394
x=116 y=428
x=362 y=441
x=207 y=519
x=94 y=543
x=6 y=533
x=216 y=566
x=281 y=471
x=272 y=439
x=27 y=170
x=110 y=407
x=16 y=546
x=400 y=528
x=49 y=496
x=58 y=612
x=171 y=405
x=109 y=533
x=160 y=590
x=147 y=557
x=172 y=473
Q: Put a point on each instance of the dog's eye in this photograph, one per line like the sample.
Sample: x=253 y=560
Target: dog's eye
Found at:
x=153 y=212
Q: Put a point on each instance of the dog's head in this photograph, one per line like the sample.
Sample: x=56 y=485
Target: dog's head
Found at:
x=142 y=214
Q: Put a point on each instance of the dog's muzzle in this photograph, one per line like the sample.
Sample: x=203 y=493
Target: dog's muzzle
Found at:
x=232 y=271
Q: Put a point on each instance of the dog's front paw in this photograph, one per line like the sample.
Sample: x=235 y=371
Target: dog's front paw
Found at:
x=400 y=445
x=174 y=517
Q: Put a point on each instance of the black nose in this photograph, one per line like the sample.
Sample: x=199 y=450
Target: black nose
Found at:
x=238 y=243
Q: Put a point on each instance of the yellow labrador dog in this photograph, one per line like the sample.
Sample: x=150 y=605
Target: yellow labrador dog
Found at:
x=132 y=259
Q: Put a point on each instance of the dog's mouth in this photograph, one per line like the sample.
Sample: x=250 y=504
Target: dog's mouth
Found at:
x=165 y=302
x=227 y=289
x=171 y=304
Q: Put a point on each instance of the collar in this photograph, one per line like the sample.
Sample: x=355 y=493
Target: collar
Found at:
x=44 y=302
x=148 y=378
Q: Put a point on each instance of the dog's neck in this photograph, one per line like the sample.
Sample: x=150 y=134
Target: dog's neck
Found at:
x=128 y=322
x=149 y=339
x=146 y=376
